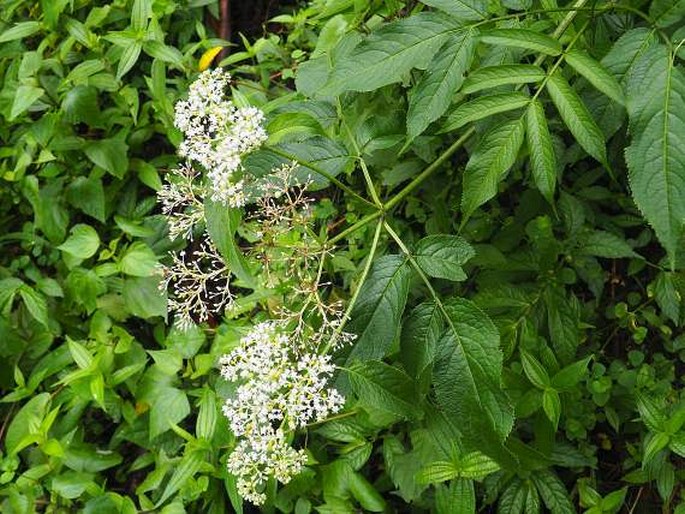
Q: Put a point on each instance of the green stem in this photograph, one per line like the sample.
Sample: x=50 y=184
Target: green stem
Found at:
x=353 y=300
x=321 y=172
x=359 y=224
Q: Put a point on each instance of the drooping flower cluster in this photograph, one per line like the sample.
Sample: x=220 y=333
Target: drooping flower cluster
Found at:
x=218 y=134
x=181 y=199
x=282 y=386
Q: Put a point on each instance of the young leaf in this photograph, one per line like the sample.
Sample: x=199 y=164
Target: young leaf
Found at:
x=489 y=164
x=568 y=377
x=494 y=76
x=461 y=9
x=82 y=243
x=656 y=156
x=576 y=117
x=551 y=404
x=390 y=52
x=20 y=30
x=483 y=107
x=535 y=371
x=382 y=387
x=441 y=256
x=467 y=378
x=433 y=94
x=437 y=472
x=596 y=74
x=377 y=313
x=128 y=58
x=24 y=98
x=477 y=465
x=542 y=155
x=35 y=303
x=523 y=38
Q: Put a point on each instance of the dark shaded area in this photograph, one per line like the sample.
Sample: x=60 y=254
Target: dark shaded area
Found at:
x=247 y=17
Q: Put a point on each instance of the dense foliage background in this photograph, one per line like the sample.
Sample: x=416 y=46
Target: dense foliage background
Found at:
x=507 y=211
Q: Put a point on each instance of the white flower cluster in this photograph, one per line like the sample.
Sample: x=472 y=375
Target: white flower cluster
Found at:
x=218 y=134
x=281 y=387
x=181 y=202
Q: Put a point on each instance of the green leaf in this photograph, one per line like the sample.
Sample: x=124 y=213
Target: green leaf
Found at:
x=505 y=74
x=82 y=243
x=441 y=256
x=477 y=465
x=491 y=160
x=437 y=472
x=110 y=154
x=484 y=107
x=222 y=223
x=576 y=117
x=376 y=315
x=20 y=30
x=128 y=58
x=382 y=387
x=543 y=160
x=163 y=52
x=35 y=303
x=551 y=404
x=140 y=13
x=654 y=443
x=88 y=195
x=513 y=498
x=139 y=261
x=26 y=421
x=665 y=13
x=205 y=425
x=553 y=492
x=390 y=52
x=457 y=497
x=535 y=371
x=651 y=413
x=563 y=323
x=656 y=156
x=419 y=340
x=467 y=378
x=431 y=97
x=667 y=294
x=143 y=298
x=461 y=9
x=568 y=377
x=522 y=38
x=596 y=74
x=605 y=244
x=79 y=353
x=24 y=98
x=190 y=464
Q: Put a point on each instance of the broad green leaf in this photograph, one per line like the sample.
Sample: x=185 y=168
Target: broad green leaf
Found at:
x=484 y=107
x=20 y=30
x=190 y=464
x=605 y=244
x=543 y=161
x=205 y=425
x=523 y=38
x=535 y=371
x=376 y=315
x=656 y=156
x=88 y=195
x=24 y=98
x=596 y=74
x=110 y=154
x=467 y=378
x=163 y=52
x=491 y=160
x=35 y=303
x=551 y=404
x=563 y=322
x=139 y=261
x=365 y=493
x=652 y=413
x=140 y=13
x=382 y=387
x=457 y=497
x=390 y=52
x=665 y=13
x=442 y=256
x=568 y=377
x=420 y=335
x=437 y=472
x=653 y=443
x=677 y=443
x=143 y=298
x=532 y=505
x=79 y=353
x=82 y=243
x=476 y=466
x=667 y=292
x=26 y=421
x=576 y=117
x=461 y=9
x=512 y=500
x=494 y=76
x=222 y=223
x=431 y=97
x=128 y=58
x=553 y=492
